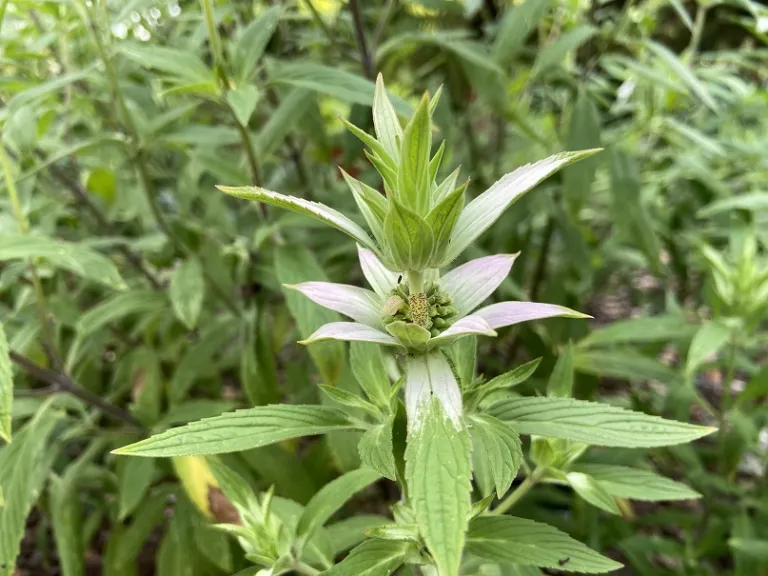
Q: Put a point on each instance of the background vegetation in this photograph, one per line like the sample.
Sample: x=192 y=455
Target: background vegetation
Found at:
x=134 y=296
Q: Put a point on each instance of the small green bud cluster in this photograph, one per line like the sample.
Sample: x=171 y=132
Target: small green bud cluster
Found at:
x=430 y=309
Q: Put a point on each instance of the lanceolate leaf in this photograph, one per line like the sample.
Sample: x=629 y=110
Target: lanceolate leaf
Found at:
x=376 y=450
x=518 y=22
x=372 y=558
x=414 y=161
x=350 y=331
x=592 y=423
x=438 y=476
x=318 y=211
x=521 y=541
x=330 y=498
x=388 y=128
x=120 y=306
x=410 y=238
x=378 y=276
x=709 y=339
x=637 y=484
x=77 y=259
x=592 y=491
x=554 y=53
x=509 y=313
x=501 y=446
x=253 y=40
x=484 y=210
x=442 y=220
x=684 y=73
x=357 y=303
x=6 y=388
x=241 y=430
x=187 y=290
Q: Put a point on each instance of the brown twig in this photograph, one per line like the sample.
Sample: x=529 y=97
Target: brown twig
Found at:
x=365 y=54
x=62 y=383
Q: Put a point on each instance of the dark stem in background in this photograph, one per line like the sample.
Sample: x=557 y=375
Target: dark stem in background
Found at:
x=365 y=54
x=62 y=383
x=540 y=272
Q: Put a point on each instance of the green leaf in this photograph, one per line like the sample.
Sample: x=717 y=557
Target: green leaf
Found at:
x=710 y=338
x=385 y=120
x=410 y=238
x=517 y=24
x=294 y=265
x=330 y=499
x=442 y=220
x=438 y=476
x=243 y=102
x=351 y=531
x=299 y=205
x=518 y=540
x=54 y=85
x=350 y=399
x=367 y=364
x=333 y=82
x=752 y=547
x=287 y=114
x=753 y=202
x=251 y=44
x=24 y=466
x=73 y=257
x=592 y=423
x=484 y=210
x=512 y=378
x=666 y=328
x=372 y=558
x=683 y=72
x=180 y=63
x=552 y=54
x=187 y=290
x=636 y=484
x=500 y=445
x=372 y=205
x=583 y=133
x=241 y=430
x=623 y=364
x=66 y=517
x=560 y=383
x=6 y=388
x=592 y=491
x=414 y=187
x=198 y=360
x=376 y=451
x=120 y=306
x=134 y=481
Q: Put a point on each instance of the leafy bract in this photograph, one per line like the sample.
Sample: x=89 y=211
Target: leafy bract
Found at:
x=484 y=210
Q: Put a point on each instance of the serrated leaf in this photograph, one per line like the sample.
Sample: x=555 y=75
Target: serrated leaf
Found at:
x=24 y=466
x=637 y=484
x=330 y=499
x=368 y=367
x=73 y=257
x=522 y=541
x=333 y=82
x=6 y=388
x=414 y=187
x=438 y=473
x=500 y=445
x=243 y=102
x=560 y=383
x=376 y=451
x=512 y=378
x=709 y=339
x=350 y=399
x=410 y=238
x=371 y=558
x=592 y=423
x=250 y=45
x=241 y=430
x=186 y=291
x=592 y=491
x=484 y=210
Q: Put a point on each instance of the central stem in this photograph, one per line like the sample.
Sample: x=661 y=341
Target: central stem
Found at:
x=520 y=491
x=415 y=281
